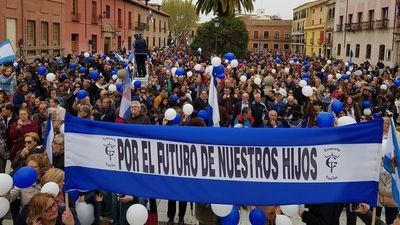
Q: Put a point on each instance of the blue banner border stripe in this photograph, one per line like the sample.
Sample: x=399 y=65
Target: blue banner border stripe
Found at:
x=226 y=136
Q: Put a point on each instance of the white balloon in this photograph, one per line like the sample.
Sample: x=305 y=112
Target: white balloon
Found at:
x=291 y=62
x=243 y=78
x=273 y=71
x=15 y=64
x=329 y=62
x=188 y=109
x=287 y=70
x=197 y=67
x=86 y=54
x=367 y=112
x=189 y=74
x=51 y=188
x=346 y=63
x=137 y=214
x=4 y=207
x=108 y=58
x=112 y=88
x=257 y=80
x=338 y=76
x=348 y=73
x=322 y=70
x=358 y=72
x=173 y=70
x=307 y=91
x=234 y=63
x=199 y=49
x=330 y=77
x=345 y=120
x=226 y=61
x=290 y=210
x=303 y=83
x=170 y=114
x=384 y=87
x=221 y=210
x=6 y=183
x=85 y=213
x=114 y=77
x=283 y=220
x=50 y=77
x=216 y=61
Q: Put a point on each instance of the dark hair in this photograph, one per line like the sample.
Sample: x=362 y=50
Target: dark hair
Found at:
x=20 y=86
x=245 y=110
x=8 y=106
x=196 y=122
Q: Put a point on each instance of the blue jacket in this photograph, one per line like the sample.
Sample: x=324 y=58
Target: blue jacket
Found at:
x=8 y=84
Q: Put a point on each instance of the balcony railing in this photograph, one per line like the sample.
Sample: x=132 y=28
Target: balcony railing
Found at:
x=328 y=42
x=76 y=16
x=348 y=27
x=356 y=26
x=368 y=25
x=339 y=27
x=381 y=24
x=141 y=26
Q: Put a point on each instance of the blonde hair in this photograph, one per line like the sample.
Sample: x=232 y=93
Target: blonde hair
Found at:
x=37 y=205
x=52 y=175
x=41 y=160
x=34 y=136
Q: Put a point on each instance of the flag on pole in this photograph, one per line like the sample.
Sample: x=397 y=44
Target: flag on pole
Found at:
x=7 y=53
x=125 y=109
x=49 y=139
x=351 y=55
x=118 y=56
x=213 y=107
x=150 y=16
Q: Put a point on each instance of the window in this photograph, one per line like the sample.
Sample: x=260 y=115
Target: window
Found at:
x=119 y=42
x=56 y=34
x=119 y=17
x=312 y=22
x=276 y=46
x=31 y=33
x=265 y=46
x=44 y=33
x=350 y=18
x=165 y=42
x=357 y=54
x=276 y=35
x=371 y=15
x=339 y=48
x=348 y=50
x=165 y=27
x=341 y=20
x=129 y=43
x=108 y=11
x=266 y=34
x=159 y=42
x=255 y=34
x=359 y=17
x=287 y=36
x=286 y=46
x=74 y=7
x=333 y=12
x=255 y=45
x=154 y=41
x=138 y=19
x=154 y=25
x=368 y=52
x=381 y=52
x=130 y=20
x=94 y=42
x=159 y=26
x=388 y=55
x=320 y=21
x=385 y=13
x=192 y=33
x=94 y=9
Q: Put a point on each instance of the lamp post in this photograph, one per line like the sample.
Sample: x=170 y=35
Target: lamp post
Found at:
x=216 y=24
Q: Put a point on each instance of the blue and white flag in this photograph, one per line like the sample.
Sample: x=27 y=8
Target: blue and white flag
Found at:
x=49 y=139
x=225 y=165
x=213 y=107
x=125 y=108
x=7 y=53
x=118 y=57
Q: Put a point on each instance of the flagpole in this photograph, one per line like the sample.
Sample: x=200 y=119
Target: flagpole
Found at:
x=373 y=216
x=66 y=200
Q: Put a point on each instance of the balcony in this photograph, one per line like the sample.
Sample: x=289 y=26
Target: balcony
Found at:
x=356 y=26
x=76 y=17
x=381 y=24
x=397 y=27
x=142 y=26
x=368 y=25
x=329 y=42
x=95 y=19
x=348 y=27
x=339 y=27
x=329 y=29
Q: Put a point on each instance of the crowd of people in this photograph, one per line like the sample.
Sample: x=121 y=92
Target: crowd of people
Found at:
x=263 y=91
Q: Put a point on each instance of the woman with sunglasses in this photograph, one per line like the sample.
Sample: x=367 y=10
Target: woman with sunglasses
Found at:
x=32 y=146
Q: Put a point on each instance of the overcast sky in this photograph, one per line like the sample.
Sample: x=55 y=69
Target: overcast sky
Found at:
x=271 y=7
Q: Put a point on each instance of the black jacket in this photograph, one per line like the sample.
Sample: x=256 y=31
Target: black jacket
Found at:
x=140 y=46
x=322 y=214
x=140 y=119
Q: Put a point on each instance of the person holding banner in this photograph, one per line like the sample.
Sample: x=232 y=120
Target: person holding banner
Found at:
x=366 y=216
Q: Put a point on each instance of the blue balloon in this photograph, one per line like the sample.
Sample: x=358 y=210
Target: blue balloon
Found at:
x=177 y=119
x=25 y=177
x=397 y=82
x=366 y=104
x=231 y=219
x=114 y=72
x=180 y=72
x=120 y=87
x=377 y=116
x=175 y=98
x=204 y=115
x=72 y=66
x=63 y=75
x=325 y=119
x=78 y=55
x=175 y=58
x=111 y=61
x=81 y=94
x=307 y=67
x=137 y=84
x=89 y=59
x=257 y=217
x=278 y=61
x=337 y=106
x=230 y=56
x=218 y=69
x=295 y=59
x=124 y=64
x=350 y=63
x=82 y=70
x=104 y=57
x=345 y=76
x=94 y=75
x=221 y=76
x=305 y=75
x=42 y=70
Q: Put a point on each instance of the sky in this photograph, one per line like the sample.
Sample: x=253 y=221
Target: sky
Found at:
x=271 y=7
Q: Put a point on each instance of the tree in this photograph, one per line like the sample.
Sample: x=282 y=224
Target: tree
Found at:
x=231 y=36
x=182 y=17
x=223 y=8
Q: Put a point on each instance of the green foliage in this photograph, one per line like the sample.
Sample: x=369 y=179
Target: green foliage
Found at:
x=182 y=17
x=232 y=37
x=224 y=8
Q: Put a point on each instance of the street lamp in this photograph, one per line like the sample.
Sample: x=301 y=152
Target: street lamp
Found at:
x=216 y=24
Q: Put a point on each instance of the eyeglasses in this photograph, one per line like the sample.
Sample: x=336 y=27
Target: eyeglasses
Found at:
x=52 y=207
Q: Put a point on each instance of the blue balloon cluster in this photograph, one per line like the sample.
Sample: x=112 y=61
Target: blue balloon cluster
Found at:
x=81 y=94
x=137 y=84
x=232 y=219
x=257 y=217
x=42 y=70
x=337 y=106
x=229 y=56
x=94 y=75
x=325 y=119
x=217 y=70
x=25 y=177
x=180 y=72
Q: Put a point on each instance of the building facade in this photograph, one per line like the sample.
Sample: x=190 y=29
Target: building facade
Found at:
x=329 y=28
x=315 y=28
x=106 y=25
x=396 y=33
x=364 y=29
x=33 y=27
x=299 y=19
